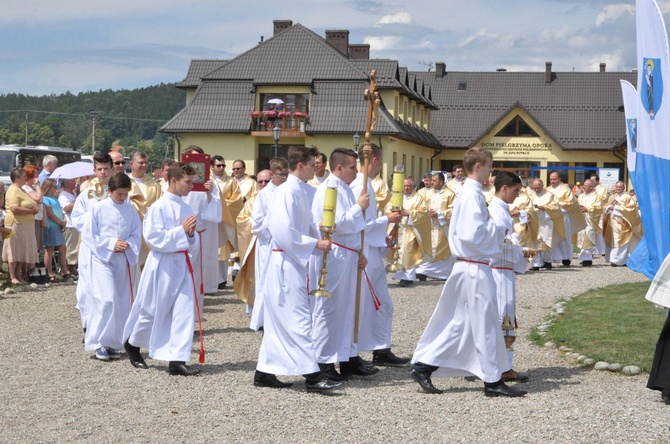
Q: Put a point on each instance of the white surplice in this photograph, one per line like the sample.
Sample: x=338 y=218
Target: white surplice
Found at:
x=263 y=250
x=333 y=330
x=463 y=337
x=504 y=266
x=287 y=347
x=376 y=313
x=209 y=215
x=163 y=314
x=111 y=289
x=86 y=200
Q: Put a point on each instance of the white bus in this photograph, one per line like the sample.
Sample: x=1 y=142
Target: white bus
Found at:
x=12 y=156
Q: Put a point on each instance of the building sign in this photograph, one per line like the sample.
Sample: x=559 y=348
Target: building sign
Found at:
x=608 y=177
x=516 y=148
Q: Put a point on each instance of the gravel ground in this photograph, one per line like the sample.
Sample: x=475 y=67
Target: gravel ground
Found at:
x=53 y=391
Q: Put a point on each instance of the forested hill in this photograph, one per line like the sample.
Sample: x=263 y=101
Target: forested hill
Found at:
x=128 y=116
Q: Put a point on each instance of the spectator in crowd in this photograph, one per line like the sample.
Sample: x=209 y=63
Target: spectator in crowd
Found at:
x=53 y=233
x=32 y=188
x=49 y=164
x=20 y=250
x=66 y=199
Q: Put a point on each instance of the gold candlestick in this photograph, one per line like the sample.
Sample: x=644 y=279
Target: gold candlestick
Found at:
x=397 y=205
x=327 y=226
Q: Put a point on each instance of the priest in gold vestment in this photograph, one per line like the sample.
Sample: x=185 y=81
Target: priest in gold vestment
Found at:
x=590 y=204
x=622 y=227
x=437 y=262
x=413 y=234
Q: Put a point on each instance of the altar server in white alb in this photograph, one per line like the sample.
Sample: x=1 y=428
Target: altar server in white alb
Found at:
x=376 y=314
x=87 y=199
x=259 y=226
x=512 y=260
x=463 y=337
x=113 y=233
x=287 y=347
x=163 y=314
x=333 y=330
x=207 y=207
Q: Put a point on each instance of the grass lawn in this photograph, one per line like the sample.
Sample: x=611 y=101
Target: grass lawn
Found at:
x=611 y=324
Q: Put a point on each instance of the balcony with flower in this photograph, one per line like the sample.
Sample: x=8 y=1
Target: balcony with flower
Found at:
x=288 y=121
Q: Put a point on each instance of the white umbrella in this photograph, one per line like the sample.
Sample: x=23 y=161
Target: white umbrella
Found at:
x=73 y=170
x=276 y=101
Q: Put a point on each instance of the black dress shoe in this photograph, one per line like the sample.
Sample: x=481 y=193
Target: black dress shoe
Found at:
x=222 y=285
x=181 y=369
x=534 y=268
x=322 y=385
x=424 y=381
x=503 y=389
x=587 y=263
x=566 y=263
x=262 y=379
x=328 y=371
x=665 y=397
x=422 y=277
x=547 y=265
x=134 y=356
x=513 y=376
x=405 y=283
x=363 y=370
x=386 y=357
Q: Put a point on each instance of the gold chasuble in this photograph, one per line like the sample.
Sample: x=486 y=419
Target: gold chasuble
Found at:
x=231 y=205
x=142 y=195
x=382 y=193
x=527 y=232
x=568 y=202
x=442 y=202
x=593 y=203
x=244 y=284
x=413 y=231
x=315 y=182
x=551 y=230
x=624 y=222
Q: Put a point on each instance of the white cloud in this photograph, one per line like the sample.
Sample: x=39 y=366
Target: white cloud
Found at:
x=399 y=17
x=614 y=12
x=382 y=43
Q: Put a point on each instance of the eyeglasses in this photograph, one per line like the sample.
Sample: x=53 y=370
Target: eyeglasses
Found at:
x=280 y=174
x=263 y=181
x=120 y=162
x=221 y=165
x=236 y=169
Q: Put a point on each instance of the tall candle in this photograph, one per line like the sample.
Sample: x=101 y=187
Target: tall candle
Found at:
x=329 y=203
x=398 y=187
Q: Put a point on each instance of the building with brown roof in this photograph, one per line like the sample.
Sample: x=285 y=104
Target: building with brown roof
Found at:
x=427 y=120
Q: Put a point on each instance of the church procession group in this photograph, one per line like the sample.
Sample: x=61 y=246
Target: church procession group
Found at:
x=151 y=250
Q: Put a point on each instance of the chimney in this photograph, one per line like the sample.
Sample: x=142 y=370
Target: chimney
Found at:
x=359 y=52
x=547 y=73
x=281 y=25
x=440 y=69
x=602 y=67
x=339 y=39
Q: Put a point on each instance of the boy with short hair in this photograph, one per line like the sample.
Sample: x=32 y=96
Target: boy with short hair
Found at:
x=163 y=314
x=463 y=337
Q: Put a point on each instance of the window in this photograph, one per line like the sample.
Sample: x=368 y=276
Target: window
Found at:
x=292 y=103
x=267 y=152
x=462 y=86
x=517 y=127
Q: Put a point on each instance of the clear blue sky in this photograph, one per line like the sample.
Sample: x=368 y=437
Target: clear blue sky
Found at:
x=54 y=47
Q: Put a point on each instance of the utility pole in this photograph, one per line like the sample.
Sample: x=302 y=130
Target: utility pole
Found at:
x=26 y=130
x=94 y=114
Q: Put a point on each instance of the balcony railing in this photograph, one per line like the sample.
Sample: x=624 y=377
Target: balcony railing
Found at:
x=290 y=121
